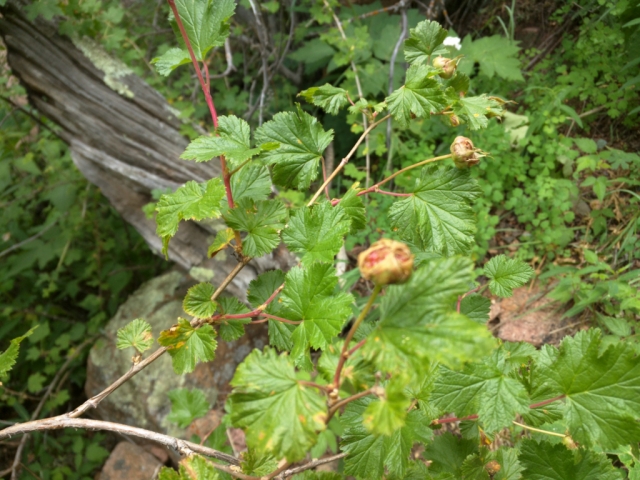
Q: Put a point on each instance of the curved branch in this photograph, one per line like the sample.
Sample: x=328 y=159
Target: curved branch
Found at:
x=63 y=421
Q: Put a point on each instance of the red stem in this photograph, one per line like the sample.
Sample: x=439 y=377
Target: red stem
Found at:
x=283 y=320
x=460 y=297
x=252 y=313
x=356 y=347
x=473 y=417
x=207 y=95
x=393 y=194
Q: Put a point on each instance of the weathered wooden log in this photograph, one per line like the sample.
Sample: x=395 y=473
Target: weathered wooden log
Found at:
x=123 y=135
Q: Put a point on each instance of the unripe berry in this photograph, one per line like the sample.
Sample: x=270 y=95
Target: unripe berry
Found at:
x=464 y=153
x=454 y=120
x=386 y=262
x=448 y=66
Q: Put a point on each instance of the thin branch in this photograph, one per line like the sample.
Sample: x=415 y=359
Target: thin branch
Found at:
x=280 y=319
x=394 y=55
x=344 y=355
x=310 y=465
x=228 y=55
x=28 y=240
x=63 y=421
x=345 y=160
x=338 y=405
x=18 y=458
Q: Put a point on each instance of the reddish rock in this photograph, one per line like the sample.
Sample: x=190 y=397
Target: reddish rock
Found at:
x=131 y=462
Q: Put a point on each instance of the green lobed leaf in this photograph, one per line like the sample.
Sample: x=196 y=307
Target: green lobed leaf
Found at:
x=331 y=99
x=262 y=220
x=301 y=140
x=232 y=329
x=545 y=461
x=136 y=334
x=421 y=96
x=308 y=296
x=488 y=389
x=368 y=453
x=258 y=465
x=424 y=41
x=317 y=233
x=251 y=181
x=438 y=216
x=187 y=405
x=280 y=415
x=222 y=240
x=474 y=110
x=601 y=388
x=496 y=55
x=505 y=274
x=198 y=301
x=9 y=356
x=476 y=307
x=353 y=206
x=387 y=414
x=233 y=140
x=192 y=201
x=206 y=23
x=447 y=453
x=187 y=345
x=170 y=60
x=418 y=322
x=261 y=288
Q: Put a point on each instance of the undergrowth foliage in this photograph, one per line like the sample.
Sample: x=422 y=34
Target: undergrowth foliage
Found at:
x=417 y=355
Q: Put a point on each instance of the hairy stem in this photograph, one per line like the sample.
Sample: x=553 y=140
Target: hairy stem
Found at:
x=344 y=355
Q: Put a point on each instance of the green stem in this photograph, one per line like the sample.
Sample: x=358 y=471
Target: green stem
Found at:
x=546 y=432
x=345 y=348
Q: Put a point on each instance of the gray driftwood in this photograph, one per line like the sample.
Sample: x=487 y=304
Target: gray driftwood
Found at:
x=123 y=135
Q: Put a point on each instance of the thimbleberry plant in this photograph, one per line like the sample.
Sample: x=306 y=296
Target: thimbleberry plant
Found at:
x=375 y=382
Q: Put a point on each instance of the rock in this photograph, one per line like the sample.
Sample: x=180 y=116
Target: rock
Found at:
x=531 y=316
x=143 y=400
x=131 y=462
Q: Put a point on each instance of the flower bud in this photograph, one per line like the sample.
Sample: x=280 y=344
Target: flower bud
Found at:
x=464 y=153
x=447 y=65
x=454 y=120
x=492 y=467
x=386 y=262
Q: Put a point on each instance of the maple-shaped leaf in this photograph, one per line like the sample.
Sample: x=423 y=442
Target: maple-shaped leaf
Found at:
x=601 y=388
x=369 y=453
x=317 y=233
x=308 y=296
x=301 y=141
x=387 y=414
x=280 y=414
x=488 y=389
x=192 y=201
x=261 y=288
x=438 y=216
x=206 y=23
x=496 y=55
x=505 y=274
x=546 y=461
x=353 y=206
x=188 y=345
x=476 y=307
x=475 y=111
x=9 y=356
x=232 y=329
x=170 y=60
x=136 y=334
x=262 y=220
x=233 y=140
x=447 y=453
x=187 y=405
x=198 y=301
x=424 y=41
x=421 y=95
x=418 y=321
x=331 y=99
x=251 y=181
x=222 y=240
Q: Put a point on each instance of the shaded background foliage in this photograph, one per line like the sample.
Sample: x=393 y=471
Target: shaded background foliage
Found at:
x=561 y=183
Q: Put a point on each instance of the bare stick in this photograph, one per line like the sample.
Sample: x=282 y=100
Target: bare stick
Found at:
x=345 y=160
x=63 y=421
x=310 y=465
